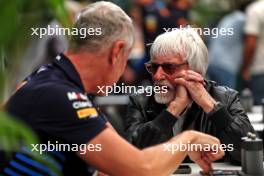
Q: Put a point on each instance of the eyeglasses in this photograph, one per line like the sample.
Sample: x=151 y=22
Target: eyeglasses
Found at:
x=168 y=68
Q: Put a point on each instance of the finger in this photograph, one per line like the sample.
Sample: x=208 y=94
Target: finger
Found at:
x=203 y=164
x=180 y=81
x=218 y=155
x=187 y=77
x=210 y=156
x=207 y=159
x=220 y=152
x=169 y=78
x=193 y=80
x=194 y=73
x=189 y=84
x=197 y=76
x=178 y=75
x=190 y=77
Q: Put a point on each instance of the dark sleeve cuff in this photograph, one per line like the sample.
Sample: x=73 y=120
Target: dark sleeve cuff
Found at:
x=165 y=120
x=220 y=118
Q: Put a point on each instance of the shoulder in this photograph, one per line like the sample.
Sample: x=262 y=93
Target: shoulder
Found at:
x=48 y=82
x=257 y=7
x=222 y=93
x=49 y=91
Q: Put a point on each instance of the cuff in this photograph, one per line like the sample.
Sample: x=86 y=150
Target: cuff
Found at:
x=220 y=117
x=165 y=120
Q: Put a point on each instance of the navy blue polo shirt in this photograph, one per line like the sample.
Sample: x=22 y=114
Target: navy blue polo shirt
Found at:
x=52 y=101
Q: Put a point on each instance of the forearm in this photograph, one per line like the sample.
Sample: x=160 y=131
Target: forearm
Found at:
x=164 y=162
x=117 y=157
x=108 y=124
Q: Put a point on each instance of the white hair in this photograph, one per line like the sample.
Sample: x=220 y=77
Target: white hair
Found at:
x=183 y=42
x=114 y=23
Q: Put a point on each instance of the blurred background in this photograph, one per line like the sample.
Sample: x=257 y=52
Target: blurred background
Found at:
x=21 y=52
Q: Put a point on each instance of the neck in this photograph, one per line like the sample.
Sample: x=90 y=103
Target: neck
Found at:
x=89 y=67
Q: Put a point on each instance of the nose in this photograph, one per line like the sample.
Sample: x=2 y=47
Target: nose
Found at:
x=159 y=75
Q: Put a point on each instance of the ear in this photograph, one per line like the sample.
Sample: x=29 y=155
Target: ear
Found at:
x=117 y=50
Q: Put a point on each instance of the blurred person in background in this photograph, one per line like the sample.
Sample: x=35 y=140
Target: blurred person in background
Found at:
x=226 y=52
x=180 y=11
x=152 y=12
x=158 y=17
x=179 y=61
x=137 y=55
x=252 y=70
x=56 y=44
x=57 y=102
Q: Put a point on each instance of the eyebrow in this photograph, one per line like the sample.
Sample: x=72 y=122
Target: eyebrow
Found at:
x=162 y=63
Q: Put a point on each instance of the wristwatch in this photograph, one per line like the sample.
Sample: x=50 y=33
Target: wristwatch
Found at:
x=217 y=106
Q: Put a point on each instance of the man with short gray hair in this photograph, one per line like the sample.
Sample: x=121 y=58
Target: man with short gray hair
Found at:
x=109 y=21
x=179 y=60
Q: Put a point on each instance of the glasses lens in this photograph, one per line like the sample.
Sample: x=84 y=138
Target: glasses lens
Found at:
x=169 y=68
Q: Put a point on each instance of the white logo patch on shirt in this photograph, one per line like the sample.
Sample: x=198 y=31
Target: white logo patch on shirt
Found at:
x=76 y=96
x=81 y=104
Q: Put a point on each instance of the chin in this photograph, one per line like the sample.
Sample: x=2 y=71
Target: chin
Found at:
x=164 y=98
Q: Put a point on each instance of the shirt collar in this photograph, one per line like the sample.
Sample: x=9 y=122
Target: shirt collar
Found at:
x=68 y=68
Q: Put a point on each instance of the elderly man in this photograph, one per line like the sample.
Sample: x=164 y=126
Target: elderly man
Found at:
x=179 y=61
x=56 y=102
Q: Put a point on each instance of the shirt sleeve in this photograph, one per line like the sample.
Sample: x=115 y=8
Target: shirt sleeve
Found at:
x=68 y=115
x=253 y=21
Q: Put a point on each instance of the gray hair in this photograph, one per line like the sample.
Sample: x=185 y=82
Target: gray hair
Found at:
x=183 y=42
x=113 y=22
